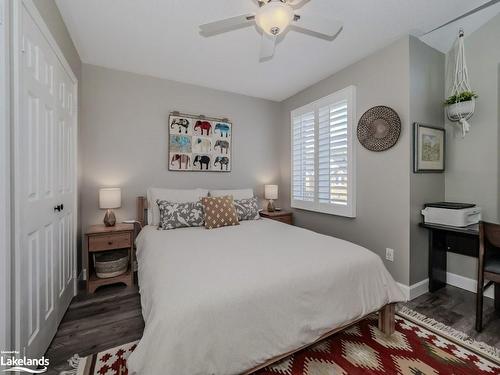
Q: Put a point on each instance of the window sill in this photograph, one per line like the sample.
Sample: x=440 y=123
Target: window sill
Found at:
x=348 y=212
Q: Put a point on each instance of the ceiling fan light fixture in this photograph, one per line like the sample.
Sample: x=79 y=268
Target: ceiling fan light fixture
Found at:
x=273 y=18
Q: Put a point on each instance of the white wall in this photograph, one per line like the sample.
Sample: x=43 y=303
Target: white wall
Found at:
x=383 y=178
x=5 y=282
x=124 y=138
x=472 y=171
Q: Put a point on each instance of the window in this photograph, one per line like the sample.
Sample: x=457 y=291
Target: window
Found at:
x=323 y=155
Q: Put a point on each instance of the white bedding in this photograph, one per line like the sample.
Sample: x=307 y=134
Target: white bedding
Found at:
x=226 y=300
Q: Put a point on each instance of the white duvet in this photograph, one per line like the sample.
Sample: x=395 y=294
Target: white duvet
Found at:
x=223 y=301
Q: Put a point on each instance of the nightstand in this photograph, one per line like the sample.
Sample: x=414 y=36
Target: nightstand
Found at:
x=100 y=238
x=282 y=216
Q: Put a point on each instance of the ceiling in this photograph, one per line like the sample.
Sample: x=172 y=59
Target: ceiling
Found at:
x=160 y=38
x=444 y=38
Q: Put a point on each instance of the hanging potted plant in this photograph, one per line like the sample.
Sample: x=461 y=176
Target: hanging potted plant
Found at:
x=459 y=106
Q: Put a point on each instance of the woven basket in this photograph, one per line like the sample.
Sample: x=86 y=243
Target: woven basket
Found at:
x=111 y=263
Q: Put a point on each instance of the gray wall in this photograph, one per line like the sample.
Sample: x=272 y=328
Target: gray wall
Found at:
x=383 y=179
x=124 y=137
x=427 y=76
x=472 y=172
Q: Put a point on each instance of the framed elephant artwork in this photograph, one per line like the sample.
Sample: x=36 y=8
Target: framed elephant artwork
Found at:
x=199 y=144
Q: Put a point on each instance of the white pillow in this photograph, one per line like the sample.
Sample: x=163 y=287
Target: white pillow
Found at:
x=171 y=195
x=236 y=193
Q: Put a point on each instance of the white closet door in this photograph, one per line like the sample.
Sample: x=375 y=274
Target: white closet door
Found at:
x=45 y=188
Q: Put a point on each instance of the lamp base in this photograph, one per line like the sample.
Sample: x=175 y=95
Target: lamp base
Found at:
x=110 y=218
x=270 y=206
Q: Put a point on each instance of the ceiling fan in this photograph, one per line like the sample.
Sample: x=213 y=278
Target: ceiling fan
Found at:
x=273 y=18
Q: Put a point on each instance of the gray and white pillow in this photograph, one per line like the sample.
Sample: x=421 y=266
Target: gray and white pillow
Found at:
x=179 y=215
x=247 y=209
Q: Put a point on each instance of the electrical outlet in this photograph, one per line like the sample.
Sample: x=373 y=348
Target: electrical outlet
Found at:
x=389 y=254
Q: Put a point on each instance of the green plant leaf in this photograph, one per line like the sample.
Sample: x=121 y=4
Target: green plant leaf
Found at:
x=464 y=96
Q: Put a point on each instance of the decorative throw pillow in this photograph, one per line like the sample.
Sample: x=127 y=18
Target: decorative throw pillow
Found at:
x=179 y=215
x=247 y=209
x=219 y=212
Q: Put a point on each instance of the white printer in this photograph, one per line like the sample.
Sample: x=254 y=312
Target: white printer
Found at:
x=452 y=214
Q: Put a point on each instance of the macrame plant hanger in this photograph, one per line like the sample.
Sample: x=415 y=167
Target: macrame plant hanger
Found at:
x=460 y=112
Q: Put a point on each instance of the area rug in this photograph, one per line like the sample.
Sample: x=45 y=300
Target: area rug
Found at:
x=420 y=346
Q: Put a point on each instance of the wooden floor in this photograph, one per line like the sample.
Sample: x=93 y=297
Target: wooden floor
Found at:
x=97 y=322
x=112 y=317
x=457 y=308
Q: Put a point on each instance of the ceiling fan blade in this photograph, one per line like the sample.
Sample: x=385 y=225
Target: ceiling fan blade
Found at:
x=229 y=24
x=475 y=10
x=317 y=26
x=297 y=4
x=267 y=46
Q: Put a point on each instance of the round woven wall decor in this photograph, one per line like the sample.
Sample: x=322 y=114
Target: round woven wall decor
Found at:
x=379 y=128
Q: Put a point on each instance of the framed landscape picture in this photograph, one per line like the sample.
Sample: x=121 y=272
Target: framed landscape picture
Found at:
x=429 y=148
x=199 y=144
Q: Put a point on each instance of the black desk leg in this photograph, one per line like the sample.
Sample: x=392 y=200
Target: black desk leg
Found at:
x=437 y=260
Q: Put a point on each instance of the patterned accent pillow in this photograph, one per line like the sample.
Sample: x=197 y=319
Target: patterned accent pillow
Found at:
x=219 y=212
x=247 y=209
x=179 y=215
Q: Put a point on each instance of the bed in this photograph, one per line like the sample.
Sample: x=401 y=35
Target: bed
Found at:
x=235 y=299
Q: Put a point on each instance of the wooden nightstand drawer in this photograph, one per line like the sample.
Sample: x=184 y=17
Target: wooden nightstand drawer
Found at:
x=109 y=241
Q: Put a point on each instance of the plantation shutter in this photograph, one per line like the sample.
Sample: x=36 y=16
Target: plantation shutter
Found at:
x=333 y=158
x=323 y=158
x=303 y=180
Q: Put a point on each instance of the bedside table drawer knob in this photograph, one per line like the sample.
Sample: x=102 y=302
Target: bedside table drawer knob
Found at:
x=110 y=242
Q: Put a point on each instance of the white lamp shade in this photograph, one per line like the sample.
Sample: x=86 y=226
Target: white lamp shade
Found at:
x=271 y=191
x=110 y=198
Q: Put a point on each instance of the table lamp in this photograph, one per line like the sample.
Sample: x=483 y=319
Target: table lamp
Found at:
x=271 y=194
x=110 y=198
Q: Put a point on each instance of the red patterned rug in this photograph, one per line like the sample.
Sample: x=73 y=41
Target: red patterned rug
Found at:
x=419 y=346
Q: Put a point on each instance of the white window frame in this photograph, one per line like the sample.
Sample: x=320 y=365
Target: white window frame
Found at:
x=349 y=94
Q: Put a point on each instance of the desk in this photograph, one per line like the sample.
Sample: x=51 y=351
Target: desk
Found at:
x=444 y=239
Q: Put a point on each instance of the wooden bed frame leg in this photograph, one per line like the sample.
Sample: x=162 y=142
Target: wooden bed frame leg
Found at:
x=387 y=319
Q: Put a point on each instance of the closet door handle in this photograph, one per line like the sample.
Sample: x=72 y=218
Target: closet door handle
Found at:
x=62 y=207
x=57 y=208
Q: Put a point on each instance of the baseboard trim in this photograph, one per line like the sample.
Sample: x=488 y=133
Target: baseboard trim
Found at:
x=82 y=276
x=415 y=290
x=466 y=283
x=462 y=282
